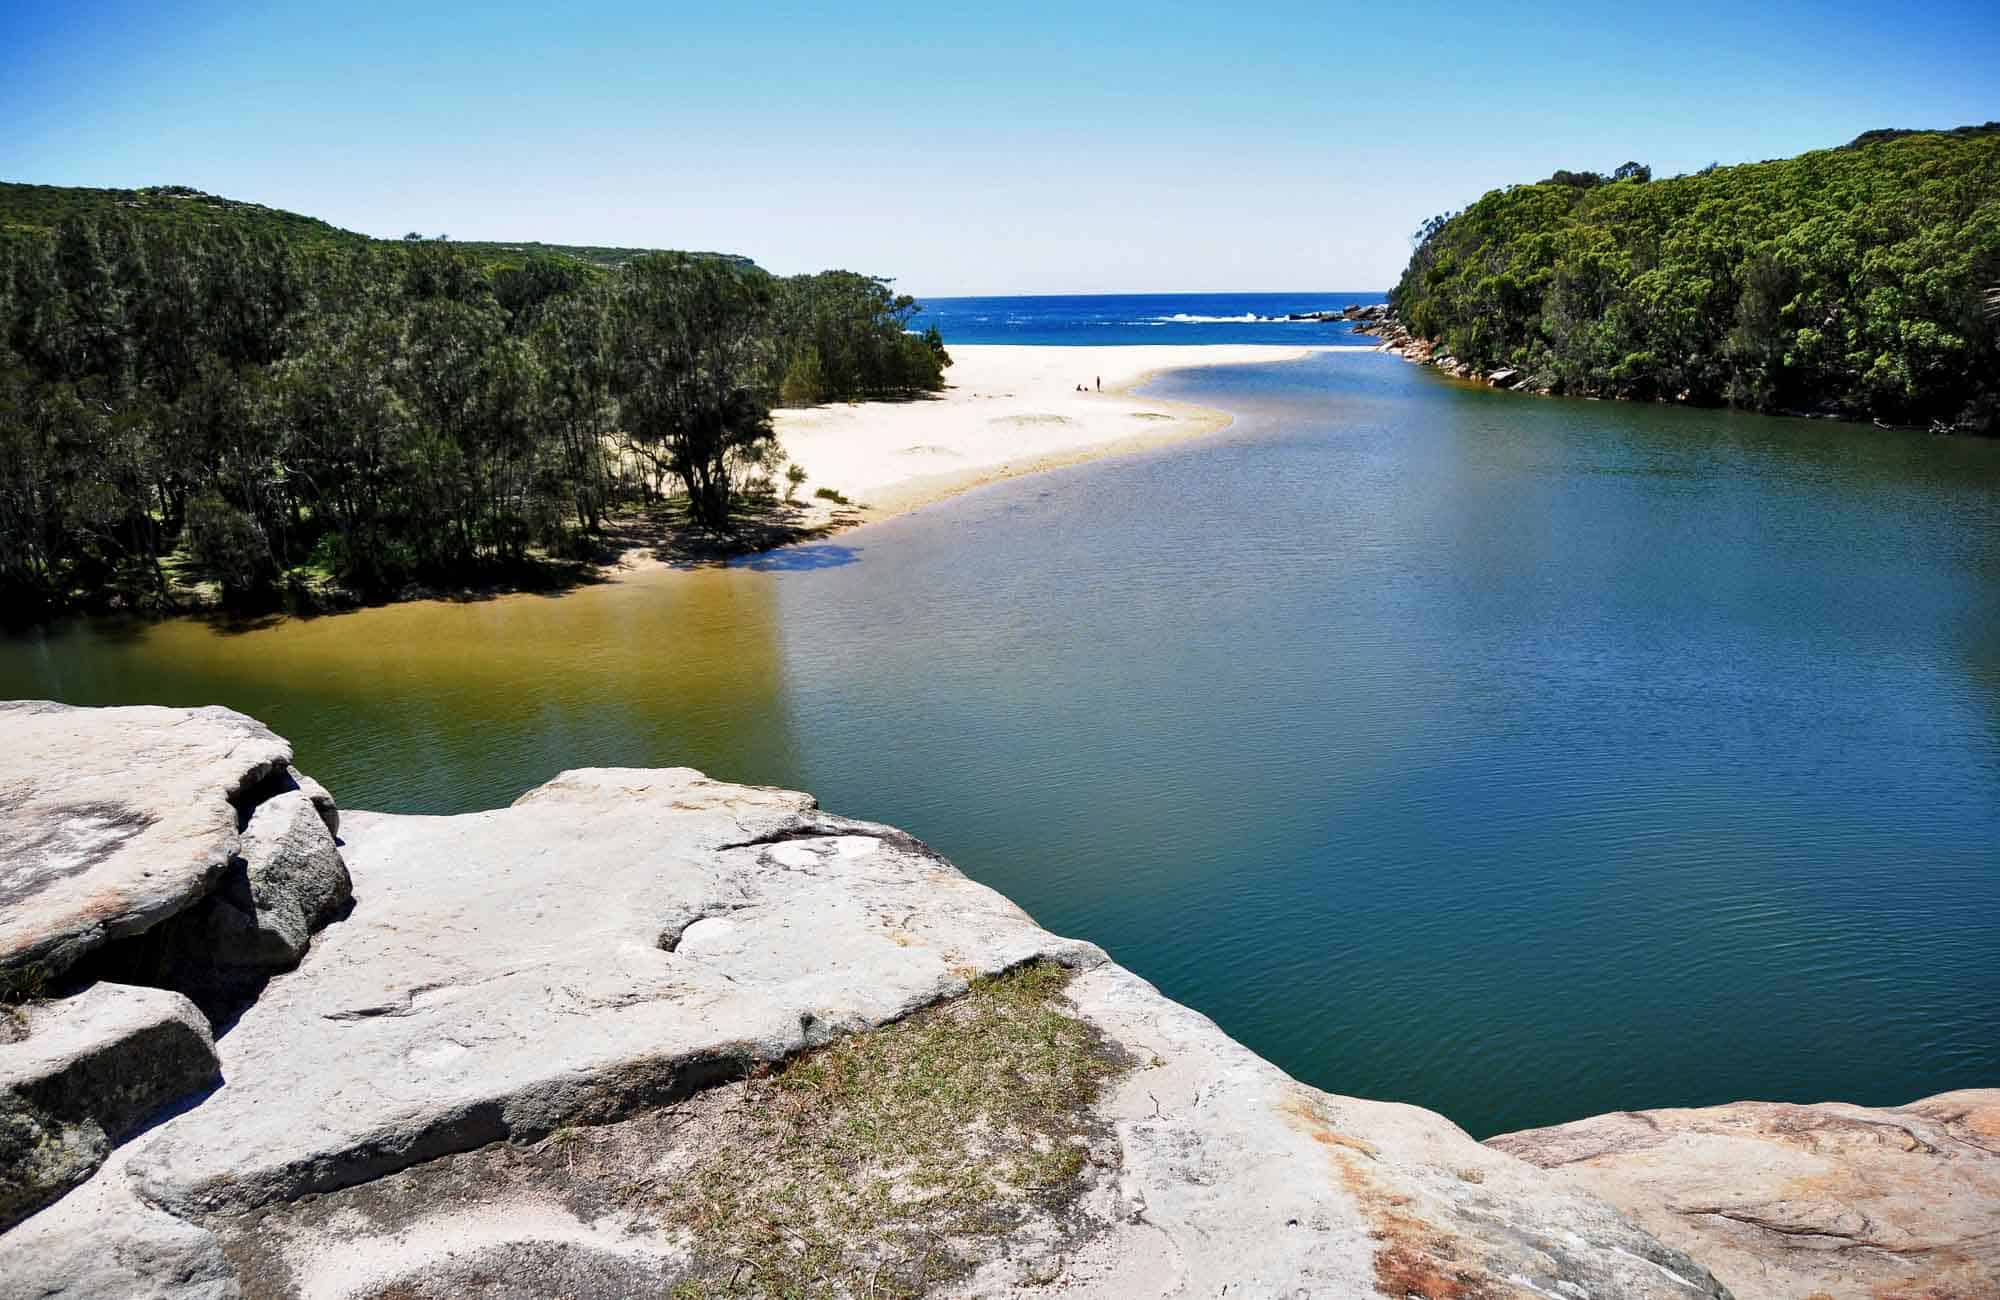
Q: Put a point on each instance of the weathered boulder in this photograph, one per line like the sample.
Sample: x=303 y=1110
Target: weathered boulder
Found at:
x=322 y=802
x=1786 y=1201
x=620 y=943
x=112 y=820
x=615 y=939
x=173 y=847
x=78 y=1074
x=293 y=882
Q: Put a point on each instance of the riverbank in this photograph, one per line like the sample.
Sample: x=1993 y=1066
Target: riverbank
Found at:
x=1399 y=341
x=1007 y=410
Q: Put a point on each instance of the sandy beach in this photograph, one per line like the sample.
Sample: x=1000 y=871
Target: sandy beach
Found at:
x=1007 y=411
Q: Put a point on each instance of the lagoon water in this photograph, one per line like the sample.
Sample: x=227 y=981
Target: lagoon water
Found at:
x=1519 y=758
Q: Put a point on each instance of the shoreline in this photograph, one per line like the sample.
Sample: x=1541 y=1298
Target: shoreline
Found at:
x=1398 y=341
x=1007 y=411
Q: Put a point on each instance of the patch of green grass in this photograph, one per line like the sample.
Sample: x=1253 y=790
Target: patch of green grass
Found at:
x=828 y=494
x=874 y=1166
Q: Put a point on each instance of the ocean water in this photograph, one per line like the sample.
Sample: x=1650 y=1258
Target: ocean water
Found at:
x=1520 y=758
x=1081 y=320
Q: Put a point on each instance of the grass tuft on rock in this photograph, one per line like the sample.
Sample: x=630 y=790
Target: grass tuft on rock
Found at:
x=878 y=1165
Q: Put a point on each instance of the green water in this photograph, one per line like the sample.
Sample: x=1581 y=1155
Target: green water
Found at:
x=1523 y=759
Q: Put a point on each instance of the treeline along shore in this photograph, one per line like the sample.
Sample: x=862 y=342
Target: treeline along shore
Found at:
x=192 y=388
x=1857 y=281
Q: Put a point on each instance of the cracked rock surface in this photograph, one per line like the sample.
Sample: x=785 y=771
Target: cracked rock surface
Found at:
x=619 y=941
x=112 y=820
x=80 y=1073
x=1786 y=1201
x=146 y=854
x=293 y=883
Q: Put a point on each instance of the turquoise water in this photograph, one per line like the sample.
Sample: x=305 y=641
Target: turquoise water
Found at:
x=1126 y=318
x=1520 y=758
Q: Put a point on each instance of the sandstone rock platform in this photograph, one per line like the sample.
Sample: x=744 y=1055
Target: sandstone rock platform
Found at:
x=1786 y=1202
x=644 y=1032
x=621 y=944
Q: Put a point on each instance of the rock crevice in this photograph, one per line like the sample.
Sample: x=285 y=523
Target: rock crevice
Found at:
x=156 y=867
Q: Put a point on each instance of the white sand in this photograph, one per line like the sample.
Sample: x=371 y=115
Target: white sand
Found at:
x=1007 y=410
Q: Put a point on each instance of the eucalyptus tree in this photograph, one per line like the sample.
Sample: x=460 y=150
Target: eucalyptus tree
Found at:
x=692 y=346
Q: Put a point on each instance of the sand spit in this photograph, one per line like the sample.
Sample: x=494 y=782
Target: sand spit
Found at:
x=1009 y=410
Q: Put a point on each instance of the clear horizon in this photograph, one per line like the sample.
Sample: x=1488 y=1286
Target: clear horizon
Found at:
x=1128 y=150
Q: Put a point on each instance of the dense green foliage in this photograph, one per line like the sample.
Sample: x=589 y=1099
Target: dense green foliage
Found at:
x=1850 y=280
x=282 y=403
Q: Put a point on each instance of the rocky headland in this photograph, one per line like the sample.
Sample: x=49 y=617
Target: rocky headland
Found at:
x=645 y=1033
x=1378 y=320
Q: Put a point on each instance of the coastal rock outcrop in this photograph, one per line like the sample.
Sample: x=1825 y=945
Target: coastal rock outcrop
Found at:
x=113 y=820
x=170 y=847
x=1786 y=1201
x=644 y=1032
x=148 y=856
x=293 y=882
x=494 y=1075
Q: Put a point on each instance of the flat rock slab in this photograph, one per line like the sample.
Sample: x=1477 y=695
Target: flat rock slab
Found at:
x=1785 y=1201
x=1236 y=1179
x=79 y=1073
x=621 y=939
x=616 y=939
x=112 y=820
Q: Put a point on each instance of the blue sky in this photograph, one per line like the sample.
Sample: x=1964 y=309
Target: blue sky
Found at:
x=1003 y=148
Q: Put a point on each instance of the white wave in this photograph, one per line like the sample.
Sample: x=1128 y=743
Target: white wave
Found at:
x=1245 y=319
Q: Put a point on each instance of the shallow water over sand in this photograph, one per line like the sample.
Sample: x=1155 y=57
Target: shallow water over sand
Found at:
x=1519 y=758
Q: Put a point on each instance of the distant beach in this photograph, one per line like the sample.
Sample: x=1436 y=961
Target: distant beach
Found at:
x=1006 y=411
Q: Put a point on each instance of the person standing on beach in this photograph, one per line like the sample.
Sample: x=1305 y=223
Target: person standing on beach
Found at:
x=1100 y=383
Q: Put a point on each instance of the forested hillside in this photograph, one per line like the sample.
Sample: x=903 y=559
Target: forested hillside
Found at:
x=45 y=207
x=277 y=400
x=1853 y=280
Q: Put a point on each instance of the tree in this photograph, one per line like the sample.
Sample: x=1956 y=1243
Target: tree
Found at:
x=228 y=542
x=804 y=384
x=692 y=346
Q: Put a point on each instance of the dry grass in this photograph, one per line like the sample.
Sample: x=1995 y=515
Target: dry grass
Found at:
x=876 y=1166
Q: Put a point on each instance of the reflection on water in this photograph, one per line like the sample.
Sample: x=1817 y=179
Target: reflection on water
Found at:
x=442 y=706
x=1523 y=759
x=799 y=559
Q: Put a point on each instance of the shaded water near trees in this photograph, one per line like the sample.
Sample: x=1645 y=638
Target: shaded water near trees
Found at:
x=1523 y=759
